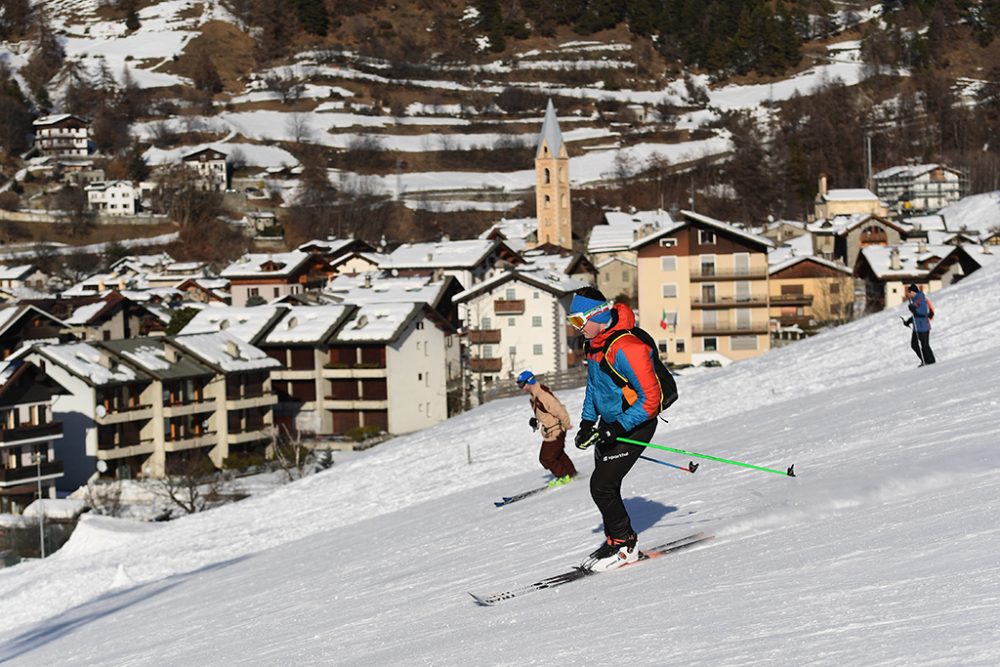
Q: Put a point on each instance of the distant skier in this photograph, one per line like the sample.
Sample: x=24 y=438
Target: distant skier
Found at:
x=922 y=312
x=624 y=405
x=551 y=417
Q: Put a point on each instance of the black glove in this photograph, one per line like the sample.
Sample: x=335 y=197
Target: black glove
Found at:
x=533 y=423
x=609 y=434
x=907 y=323
x=913 y=309
x=585 y=434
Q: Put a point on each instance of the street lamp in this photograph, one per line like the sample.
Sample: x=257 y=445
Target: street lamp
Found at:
x=41 y=508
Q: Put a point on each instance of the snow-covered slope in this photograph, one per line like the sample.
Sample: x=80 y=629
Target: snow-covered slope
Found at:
x=882 y=550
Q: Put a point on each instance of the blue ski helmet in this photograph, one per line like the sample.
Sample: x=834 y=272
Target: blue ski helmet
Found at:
x=525 y=377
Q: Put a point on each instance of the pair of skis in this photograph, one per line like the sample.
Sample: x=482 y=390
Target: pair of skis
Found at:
x=576 y=573
x=507 y=500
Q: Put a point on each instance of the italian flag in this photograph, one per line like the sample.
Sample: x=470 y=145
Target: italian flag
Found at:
x=663 y=320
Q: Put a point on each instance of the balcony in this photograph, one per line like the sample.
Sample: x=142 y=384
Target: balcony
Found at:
x=29 y=473
x=484 y=336
x=726 y=329
x=486 y=365
x=206 y=439
x=126 y=414
x=252 y=435
x=704 y=274
x=28 y=433
x=181 y=409
x=791 y=300
x=332 y=403
x=720 y=302
x=508 y=306
x=130 y=448
x=251 y=402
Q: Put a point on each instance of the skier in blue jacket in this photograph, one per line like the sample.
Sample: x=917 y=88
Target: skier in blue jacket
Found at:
x=611 y=411
x=920 y=320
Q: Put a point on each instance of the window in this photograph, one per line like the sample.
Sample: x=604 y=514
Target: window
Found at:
x=548 y=176
x=743 y=343
x=680 y=346
x=536 y=295
x=486 y=322
x=420 y=325
x=512 y=351
x=668 y=264
x=625 y=276
x=834 y=288
x=662 y=346
x=710 y=344
x=706 y=237
x=277 y=292
x=741 y=263
x=511 y=293
x=668 y=243
x=253 y=291
x=487 y=351
x=669 y=291
x=536 y=349
x=548 y=201
x=536 y=320
x=708 y=265
x=511 y=322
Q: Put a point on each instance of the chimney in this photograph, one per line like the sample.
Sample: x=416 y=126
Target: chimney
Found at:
x=822 y=184
x=921 y=247
x=894 y=262
x=368 y=281
x=986 y=249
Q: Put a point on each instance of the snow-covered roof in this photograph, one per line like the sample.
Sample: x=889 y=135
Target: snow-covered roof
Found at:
x=463 y=254
x=622 y=229
x=924 y=222
x=850 y=194
x=550 y=134
x=55 y=119
x=842 y=224
x=277 y=264
x=384 y=289
x=16 y=272
x=85 y=361
x=691 y=216
x=307 y=324
x=225 y=351
x=800 y=246
x=555 y=282
x=778 y=267
x=911 y=170
x=85 y=313
x=246 y=323
x=377 y=322
x=150 y=355
x=615 y=258
x=56 y=508
x=879 y=258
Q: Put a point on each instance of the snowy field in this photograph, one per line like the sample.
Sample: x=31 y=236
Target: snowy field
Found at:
x=883 y=551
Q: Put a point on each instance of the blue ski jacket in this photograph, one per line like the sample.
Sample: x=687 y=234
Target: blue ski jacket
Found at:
x=921 y=313
x=631 y=359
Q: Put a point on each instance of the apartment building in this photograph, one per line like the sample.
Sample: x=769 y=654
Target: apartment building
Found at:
x=62 y=135
x=266 y=277
x=921 y=188
x=28 y=430
x=211 y=167
x=112 y=197
x=143 y=406
x=703 y=290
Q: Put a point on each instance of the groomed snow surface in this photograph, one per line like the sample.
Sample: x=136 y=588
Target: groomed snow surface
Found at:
x=883 y=551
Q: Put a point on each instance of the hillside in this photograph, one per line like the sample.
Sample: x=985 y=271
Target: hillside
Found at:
x=881 y=551
x=417 y=119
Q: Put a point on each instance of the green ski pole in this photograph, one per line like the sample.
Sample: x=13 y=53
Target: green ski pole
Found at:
x=787 y=473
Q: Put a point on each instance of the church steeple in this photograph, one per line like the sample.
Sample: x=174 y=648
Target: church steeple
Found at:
x=552 y=201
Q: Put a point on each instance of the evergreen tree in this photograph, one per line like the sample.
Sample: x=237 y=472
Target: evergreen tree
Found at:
x=312 y=16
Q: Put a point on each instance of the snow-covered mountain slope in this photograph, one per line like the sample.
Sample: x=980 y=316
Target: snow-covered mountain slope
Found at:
x=882 y=550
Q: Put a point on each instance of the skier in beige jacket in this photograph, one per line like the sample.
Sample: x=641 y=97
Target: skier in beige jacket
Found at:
x=551 y=417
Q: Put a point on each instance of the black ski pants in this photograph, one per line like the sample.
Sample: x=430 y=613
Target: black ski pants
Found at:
x=921 y=344
x=610 y=467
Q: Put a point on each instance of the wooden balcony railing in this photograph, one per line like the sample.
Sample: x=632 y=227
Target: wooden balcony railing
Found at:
x=752 y=301
x=508 y=306
x=727 y=329
x=484 y=336
x=486 y=365
x=30 y=472
x=29 y=432
x=702 y=274
x=791 y=300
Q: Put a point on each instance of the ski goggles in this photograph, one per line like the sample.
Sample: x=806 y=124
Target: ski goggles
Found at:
x=578 y=320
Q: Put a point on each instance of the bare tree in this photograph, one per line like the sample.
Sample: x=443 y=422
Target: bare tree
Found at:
x=289 y=452
x=298 y=127
x=189 y=484
x=286 y=85
x=104 y=498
